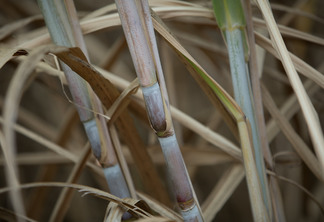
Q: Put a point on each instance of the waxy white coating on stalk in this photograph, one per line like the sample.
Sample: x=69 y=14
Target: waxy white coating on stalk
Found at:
x=154 y=105
x=179 y=176
x=59 y=23
x=243 y=96
x=155 y=52
x=93 y=136
x=117 y=184
x=54 y=15
x=108 y=156
x=191 y=214
x=140 y=42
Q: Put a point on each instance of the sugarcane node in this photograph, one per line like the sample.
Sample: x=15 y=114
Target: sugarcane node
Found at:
x=105 y=162
x=186 y=205
x=159 y=125
x=166 y=133
x=242 y=118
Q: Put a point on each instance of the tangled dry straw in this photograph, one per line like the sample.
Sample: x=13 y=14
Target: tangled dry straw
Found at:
x=49 y=172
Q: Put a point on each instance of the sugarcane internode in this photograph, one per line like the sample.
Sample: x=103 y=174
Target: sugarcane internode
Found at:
x=139 y=33
x=63 y=33
x=155 y=109
x=92 y=133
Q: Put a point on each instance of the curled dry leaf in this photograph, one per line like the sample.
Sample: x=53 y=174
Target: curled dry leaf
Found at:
x=21 y=37
x=135 y=207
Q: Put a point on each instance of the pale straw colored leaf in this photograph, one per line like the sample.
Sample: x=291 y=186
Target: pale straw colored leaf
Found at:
x=122 y=102
x=301 y=66
x=295 y=10
x=64 y=200
x=107 y=93
x=10 y=112
x=160 y=208
x=37 y=158
x=309 y=112
x=300 y=146
x=290 y=32
x=192 y=155
x=184 y=119
x=127 y=204
x=50 y=145
x=114 y=213
x=6 y=54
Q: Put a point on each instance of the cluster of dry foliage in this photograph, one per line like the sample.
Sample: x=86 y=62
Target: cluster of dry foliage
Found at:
x=45 y=151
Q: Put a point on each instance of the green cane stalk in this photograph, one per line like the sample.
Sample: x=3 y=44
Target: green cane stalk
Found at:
x=65 y=31
x=276 y=197
x=230 y=18
x=138 y=29
x=205 y=81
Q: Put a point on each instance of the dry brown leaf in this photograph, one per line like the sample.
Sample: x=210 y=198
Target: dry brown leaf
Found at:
x=184 y=119
x=159 y=207
x=139 y=204
x=114 y=213
x=108 y=94
x=127 y=204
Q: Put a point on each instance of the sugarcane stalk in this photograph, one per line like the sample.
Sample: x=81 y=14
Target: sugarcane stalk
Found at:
x=139 y=33
x=65 y=31
x=276 y=196
x=230 y=18
x=115 y=178
x=258 y=207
